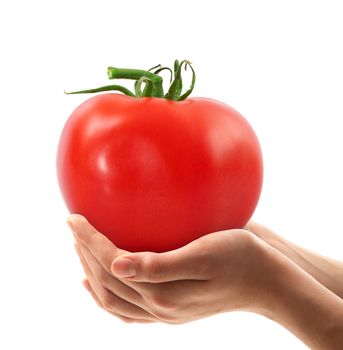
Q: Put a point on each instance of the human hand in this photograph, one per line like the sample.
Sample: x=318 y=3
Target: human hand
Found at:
x=222 y=271
x=326 y=271
x=96 y=253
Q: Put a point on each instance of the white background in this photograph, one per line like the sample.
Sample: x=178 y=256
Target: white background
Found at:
x=277 y=62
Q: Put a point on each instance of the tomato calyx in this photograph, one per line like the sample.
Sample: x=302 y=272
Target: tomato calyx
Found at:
x=153 y=82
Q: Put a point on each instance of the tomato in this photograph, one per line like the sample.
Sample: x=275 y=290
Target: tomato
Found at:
x=153 y=174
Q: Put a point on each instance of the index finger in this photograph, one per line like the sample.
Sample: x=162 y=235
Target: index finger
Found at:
x=98 y=244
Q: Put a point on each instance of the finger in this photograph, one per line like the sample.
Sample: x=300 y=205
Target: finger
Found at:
x=84 y=264
x=87 y=285
x=118 y=306
x=262 y=232
x=112 y=303
x=189 y=262
x=89 y=288
x=254 y=227
x=116 y=284
x=100 y=246
x=108 y=281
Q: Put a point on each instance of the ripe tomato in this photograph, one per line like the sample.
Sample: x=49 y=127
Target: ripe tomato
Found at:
x=154 y=174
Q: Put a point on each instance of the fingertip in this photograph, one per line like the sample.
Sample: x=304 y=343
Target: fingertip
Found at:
x=73 y=219
x=248 y=225
x=85 y=283
x=79 y=225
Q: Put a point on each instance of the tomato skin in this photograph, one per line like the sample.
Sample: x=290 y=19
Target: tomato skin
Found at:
x=153 y=174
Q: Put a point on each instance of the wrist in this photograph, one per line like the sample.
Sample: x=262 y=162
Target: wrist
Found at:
x=302 y=305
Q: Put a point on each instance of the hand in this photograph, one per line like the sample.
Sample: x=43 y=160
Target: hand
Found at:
x=99 y=280
x=326 y=271
x=222 y=271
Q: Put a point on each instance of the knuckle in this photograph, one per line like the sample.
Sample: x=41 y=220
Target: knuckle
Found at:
x=247 y=237
x=105 y=262
x=249 y=226
x=161 y=302
x=203 y=263
x=205 y=269
x=126 y=319
x=154 y=268
x=101 y=276
x=88 y=238
x=98 y=302
x=107 y=303
x=164 y=317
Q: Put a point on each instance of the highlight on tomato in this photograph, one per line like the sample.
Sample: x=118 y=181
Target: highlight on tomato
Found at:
x=155 y=170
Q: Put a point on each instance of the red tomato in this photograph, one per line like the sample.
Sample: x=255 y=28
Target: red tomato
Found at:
x=154 y=174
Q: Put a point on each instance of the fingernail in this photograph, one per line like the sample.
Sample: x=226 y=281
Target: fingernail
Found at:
x=123 y=267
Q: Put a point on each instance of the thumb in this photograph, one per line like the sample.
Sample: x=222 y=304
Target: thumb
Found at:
x=180 y=264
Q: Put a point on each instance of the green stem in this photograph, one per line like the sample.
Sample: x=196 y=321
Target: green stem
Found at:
x=136 y=74
x=153 y=82
x=147 y=92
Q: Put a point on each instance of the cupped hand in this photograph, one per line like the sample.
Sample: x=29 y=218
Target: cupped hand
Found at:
x=222 y=271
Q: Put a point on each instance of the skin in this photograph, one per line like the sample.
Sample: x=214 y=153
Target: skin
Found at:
x=286 y=283
x=327 y=271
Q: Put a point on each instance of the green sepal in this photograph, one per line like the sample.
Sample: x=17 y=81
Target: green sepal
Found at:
x=120 y=88
x=189 y=91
